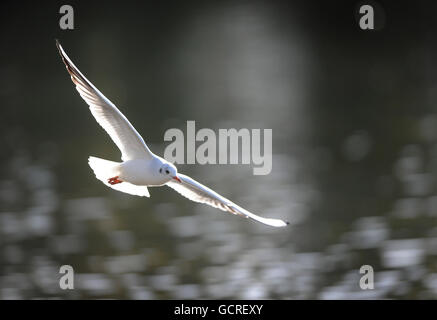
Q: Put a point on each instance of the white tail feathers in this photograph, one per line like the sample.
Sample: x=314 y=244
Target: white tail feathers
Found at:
x=105 y=169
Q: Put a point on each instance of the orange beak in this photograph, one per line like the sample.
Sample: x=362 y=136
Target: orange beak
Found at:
x=177 y=179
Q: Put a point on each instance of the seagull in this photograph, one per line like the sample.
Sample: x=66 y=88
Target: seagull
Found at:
x=141 y=168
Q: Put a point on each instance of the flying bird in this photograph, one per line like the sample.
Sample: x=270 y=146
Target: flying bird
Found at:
x=141 y=168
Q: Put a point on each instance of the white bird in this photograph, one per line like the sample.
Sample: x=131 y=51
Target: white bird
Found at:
x=140 y=167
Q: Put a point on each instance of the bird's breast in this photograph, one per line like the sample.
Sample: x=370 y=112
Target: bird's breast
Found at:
x=141 y=173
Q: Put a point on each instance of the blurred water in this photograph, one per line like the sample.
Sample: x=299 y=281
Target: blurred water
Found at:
x=354 y=173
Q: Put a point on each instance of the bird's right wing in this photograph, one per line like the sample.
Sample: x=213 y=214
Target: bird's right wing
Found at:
x=124 y=135
x=197 y=192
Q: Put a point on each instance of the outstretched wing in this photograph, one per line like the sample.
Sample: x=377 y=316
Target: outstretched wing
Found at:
x=197 y=192
x=124 y=135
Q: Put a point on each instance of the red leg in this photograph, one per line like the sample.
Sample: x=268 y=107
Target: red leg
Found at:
x=114 y=180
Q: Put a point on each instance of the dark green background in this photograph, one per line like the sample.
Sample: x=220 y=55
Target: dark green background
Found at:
x=353 y=115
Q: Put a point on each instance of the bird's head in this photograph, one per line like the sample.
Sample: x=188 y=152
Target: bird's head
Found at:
x=169 y=170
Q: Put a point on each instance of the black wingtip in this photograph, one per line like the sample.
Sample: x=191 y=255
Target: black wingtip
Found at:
x=58 y=45
x=63 y=55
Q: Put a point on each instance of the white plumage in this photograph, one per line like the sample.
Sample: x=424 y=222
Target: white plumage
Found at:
x=140 y=167
x=104 y=168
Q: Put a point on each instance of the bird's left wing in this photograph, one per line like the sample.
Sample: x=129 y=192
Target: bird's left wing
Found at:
x=197 y=192
x=124 y=135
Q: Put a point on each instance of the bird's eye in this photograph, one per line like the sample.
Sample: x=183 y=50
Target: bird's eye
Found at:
x=167 y=172
x=160 y=170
